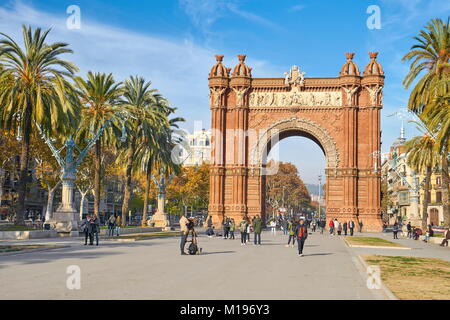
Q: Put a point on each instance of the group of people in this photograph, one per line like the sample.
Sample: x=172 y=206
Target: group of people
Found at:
x=335 y=226
x=90 y=226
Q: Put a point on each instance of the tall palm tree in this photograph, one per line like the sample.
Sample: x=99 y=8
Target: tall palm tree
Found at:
x=143 y=116
x=35 y=89
x=423 y=157
x=431 y=57
x=100 y=97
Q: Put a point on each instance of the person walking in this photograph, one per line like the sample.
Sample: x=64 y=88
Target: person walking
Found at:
x=111 y=225
x=360 y=226
x=446 y=238
x=284 y=225
x=94 y=229
x=322 y=223
x=257 y=228
x=314 y=224
x=232 y=226
x=331 y=225
x=118 y=224
x=344 y=226
x=226 y=228
x=395 y=230
x=243 y=229
x=249 y=229
x=302 y=234
x=84 y=227
x=409 y=230
x=291 y=231
x=184 y=233
x=273 y=227
x=339 y=228
x=336 y=225
x=351 y=226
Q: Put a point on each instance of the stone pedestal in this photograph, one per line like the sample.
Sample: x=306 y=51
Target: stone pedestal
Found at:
x=66 y=220
x=160 y=220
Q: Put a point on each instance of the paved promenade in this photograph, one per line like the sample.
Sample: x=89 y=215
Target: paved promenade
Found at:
x=154 y=269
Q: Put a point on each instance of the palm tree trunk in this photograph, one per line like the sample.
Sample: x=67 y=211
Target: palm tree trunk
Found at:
x=97 y=176
x=24 y=158
x=148 y=174
x=445 y=189
x=128 y=176
x=426 y=199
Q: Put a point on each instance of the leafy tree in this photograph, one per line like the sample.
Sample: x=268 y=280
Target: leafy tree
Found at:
x=286 y=188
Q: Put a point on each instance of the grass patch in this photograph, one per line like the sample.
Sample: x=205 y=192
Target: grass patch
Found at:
x=371 y=241
x=16 y=248
x=411 y=278
x=148 y=235
x=16 y=228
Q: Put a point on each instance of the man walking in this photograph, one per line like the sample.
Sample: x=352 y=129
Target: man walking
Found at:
x=302 y=234
x=360 y=226
x=344 y=226
x=257 y=228
x=351 y=226
x=184 y=233
x=331 y=225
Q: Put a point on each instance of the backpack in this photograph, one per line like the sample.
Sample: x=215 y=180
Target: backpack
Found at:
x=192 y=249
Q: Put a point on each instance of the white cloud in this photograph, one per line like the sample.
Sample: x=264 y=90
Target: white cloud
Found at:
x=297 y=7
x=204 y=13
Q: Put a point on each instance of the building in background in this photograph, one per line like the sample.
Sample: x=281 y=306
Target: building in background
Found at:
x=199 y=148
x=405 y=188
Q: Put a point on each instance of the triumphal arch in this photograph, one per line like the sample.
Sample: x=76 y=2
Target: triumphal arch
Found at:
x=341 y=114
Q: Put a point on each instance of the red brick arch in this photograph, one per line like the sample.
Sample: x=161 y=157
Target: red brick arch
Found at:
x=341 y=114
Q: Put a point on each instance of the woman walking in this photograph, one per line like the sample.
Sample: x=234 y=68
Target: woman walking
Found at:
x=395 y=230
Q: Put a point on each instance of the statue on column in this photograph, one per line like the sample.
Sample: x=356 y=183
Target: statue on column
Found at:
x=159 y=219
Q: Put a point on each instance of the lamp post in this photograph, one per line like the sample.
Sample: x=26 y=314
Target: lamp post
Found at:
x=320 y=191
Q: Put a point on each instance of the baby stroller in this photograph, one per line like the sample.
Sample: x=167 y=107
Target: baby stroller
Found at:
x=193 y=248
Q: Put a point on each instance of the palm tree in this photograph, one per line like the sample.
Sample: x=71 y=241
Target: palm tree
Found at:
x=423 y=157
x=431 y=56
x=35 y=89
x=143 y=116
x=100 y=96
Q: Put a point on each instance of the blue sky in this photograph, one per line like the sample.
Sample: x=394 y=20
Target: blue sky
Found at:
x=173 y=42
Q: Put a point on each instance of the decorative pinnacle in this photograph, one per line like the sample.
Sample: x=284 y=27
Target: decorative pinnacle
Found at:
x=219 y=57
x=373 y=55
x=350 y=55
x=242 y=57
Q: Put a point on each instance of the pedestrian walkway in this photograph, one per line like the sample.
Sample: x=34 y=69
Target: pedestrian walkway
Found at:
x=153 y=269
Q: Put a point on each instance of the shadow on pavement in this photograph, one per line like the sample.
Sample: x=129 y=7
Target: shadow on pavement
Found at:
x=216 y=252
